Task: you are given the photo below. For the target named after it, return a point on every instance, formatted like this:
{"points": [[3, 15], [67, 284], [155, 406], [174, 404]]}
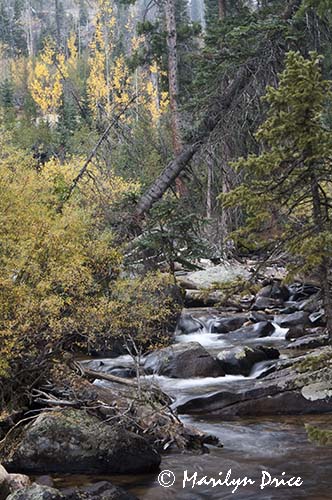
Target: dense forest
{"points": [[143, 142]]}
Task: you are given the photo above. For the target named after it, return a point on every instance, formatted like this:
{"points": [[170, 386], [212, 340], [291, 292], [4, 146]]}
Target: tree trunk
{"points": [[173, 84], [324, 268], [58, 23], [176, 166], [222, 105], [222, 9]]}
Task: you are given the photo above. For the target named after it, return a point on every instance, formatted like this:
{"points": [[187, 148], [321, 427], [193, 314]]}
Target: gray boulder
{"points": [[294, 319], [262, 303], [37, 492], [240, 360], [72, 441], [184, 360], [257, 330], [226, 325]]}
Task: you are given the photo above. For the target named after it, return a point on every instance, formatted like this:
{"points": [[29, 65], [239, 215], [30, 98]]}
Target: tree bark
{"points": [[173, 84], [222, 9], [176, 166]]}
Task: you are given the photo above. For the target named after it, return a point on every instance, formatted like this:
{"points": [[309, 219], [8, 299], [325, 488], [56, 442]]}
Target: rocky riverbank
{"points": [[273, 345]]}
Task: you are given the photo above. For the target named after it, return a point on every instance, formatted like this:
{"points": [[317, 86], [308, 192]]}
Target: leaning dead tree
{"points": [[180, 162], [223, 103]]}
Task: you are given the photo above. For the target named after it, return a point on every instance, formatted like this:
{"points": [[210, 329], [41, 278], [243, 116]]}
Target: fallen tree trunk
{"points": [[220, 107], [180, 162]]}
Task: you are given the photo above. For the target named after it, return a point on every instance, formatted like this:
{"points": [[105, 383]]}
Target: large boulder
{"points": [[183, 360], [256, 330], [294, 319], [226, 325], [299, 387], [262, 303], [72, 441], [240, 360], [37, 492], [187, 324], [103, 490], [221, 273]]}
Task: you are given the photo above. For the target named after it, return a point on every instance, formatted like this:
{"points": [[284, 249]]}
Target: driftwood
{"points": [[92, 374]]}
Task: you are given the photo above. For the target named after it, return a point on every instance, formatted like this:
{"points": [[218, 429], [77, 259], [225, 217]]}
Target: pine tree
{"points": [[286, 194]]}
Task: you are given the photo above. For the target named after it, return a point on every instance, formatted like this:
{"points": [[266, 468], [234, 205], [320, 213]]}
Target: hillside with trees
{"points": [[165, 177]]}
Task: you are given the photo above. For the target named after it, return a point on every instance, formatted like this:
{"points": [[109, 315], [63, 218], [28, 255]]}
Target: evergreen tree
{"points": [[286, 193]]}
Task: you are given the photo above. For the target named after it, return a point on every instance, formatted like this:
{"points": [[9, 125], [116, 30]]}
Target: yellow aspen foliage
{"points": [[60, 271], [72, 49], [46, 81], [121, 81]]}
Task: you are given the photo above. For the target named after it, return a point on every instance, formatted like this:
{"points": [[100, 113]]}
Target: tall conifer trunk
{"points": [[173, 84]]}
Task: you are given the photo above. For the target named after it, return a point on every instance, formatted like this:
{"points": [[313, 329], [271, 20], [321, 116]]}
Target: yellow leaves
{"points": [[46, 80], [73, 53]]}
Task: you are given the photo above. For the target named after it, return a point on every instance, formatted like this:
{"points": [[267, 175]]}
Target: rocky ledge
{"points": [[299, 385]]}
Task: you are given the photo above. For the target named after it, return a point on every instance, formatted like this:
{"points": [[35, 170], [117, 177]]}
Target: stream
{"points": [[250, 445]]}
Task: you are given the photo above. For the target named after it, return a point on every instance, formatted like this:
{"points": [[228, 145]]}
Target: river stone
{"points": [[226, 325], [72, 441], [183, 360], [37, 492], [4, 486], [310, 341], [295, 332], [187, 324], [240, 360], [262, 303], [297, 318], [257, 330], [274, 291], [103, 490]]}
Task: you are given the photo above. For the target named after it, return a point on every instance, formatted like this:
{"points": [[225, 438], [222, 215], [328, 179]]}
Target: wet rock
{"points": [[262, 303], [295, 319], [295, 332], [184, 360], [103, 490], [37, 492], [71, 441], [4, 486], [187, 324], [226, 325], [310, 341], [257, 330], [274, 290], [289, 390], [240, 360], [300, 291], [312, 304], [257, 316]]}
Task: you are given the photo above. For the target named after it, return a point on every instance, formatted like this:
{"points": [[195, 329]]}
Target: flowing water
{"points": [[277, 445]]}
